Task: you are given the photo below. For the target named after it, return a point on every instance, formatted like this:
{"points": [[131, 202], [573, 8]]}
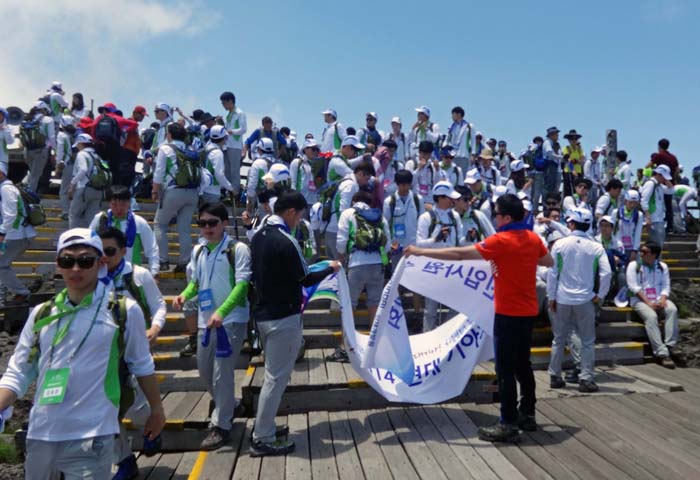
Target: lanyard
{"points": [[216, 253], [117, 271], [653, 275]]}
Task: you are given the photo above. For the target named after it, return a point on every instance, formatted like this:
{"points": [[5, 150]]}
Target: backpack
{"points": [[319, 169], [434, 222], [188, 163], [392, 207], [535, 158], [117, 307], [327, 198], [107, 130], [34, 212], [147, 137], [303, 237], [31, 135], [369, 235], [102, 178], [139, 296]]}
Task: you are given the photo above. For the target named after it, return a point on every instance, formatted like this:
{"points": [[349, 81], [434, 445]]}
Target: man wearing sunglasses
{"points": [[221, 270], [579, 199], [141, 246], [72, 352], [516, 310]]}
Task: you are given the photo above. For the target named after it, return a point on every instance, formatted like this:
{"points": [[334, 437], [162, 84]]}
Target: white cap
{"points": [[579, 215], [42, 106], [606, 218], [265, 144], [293, 135], [353, 141], [664, 171], [309, 143], [82, 138], [632, 196], [423, 109], [330, 111], [473, 176], [517, 165], [79, 236], [164, 106], [218, 132], [396, 120], [278, 173], [598, 149], [67, 120], [445, 188], [554, 236], [57, 86], [498, 192], [372, 114]]}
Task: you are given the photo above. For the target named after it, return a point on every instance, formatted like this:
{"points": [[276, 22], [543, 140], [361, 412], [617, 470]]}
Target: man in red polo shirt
{"points": [[515, 251]]}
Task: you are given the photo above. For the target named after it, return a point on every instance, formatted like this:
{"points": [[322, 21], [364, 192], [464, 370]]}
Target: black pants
{"points": [[668, 203], [512, 338]]}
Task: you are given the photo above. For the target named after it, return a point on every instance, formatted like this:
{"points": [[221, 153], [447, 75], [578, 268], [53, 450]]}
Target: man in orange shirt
{"points": [[515, 252]]}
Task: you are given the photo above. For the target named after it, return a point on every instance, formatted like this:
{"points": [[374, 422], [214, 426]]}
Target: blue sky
{"points": [[516, 67]]}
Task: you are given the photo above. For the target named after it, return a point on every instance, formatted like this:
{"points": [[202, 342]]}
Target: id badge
{"points": [[312, 186], [627, 242], [387, 182], [399, 231], [206, 300], [422, 189], [650, 294], [53, 390]]}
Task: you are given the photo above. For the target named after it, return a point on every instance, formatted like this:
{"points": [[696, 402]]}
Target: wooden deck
{"points": [[640, 426]]}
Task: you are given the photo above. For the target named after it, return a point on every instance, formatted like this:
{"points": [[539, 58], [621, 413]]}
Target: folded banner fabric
{"points": [[430, 367]]}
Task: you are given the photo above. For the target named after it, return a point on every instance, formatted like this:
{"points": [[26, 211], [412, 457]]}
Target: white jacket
{"points": [[12, 216], [452, 174], [624, 174], [461, 137], [257, 170], [328, 136], [303, 178], [64, 148], [166, 165], [652, 201], [147, 288], [406, 213], [6, 138], [627, 230], [84, 167], [235, 138], [342, 200], [348, 223], [403, 147], [214, 165], [577, 260], [477, 221], [651, 281], [445, 218]]}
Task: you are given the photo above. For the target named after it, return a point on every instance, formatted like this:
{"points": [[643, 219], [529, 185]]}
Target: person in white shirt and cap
{"points": [[347, 158], [487, 207], [425, 172], [517, 181], [611, 200], [439, 227], [623, 171], [449, 170], [402, 209], [649, 283], [302, 171], [593, 171], [481, 192], [403, 145], [90, 177], [333, 133], [578, 261], [616, 254], [579, 199], [652, 203], [461, 137], [69, 346], [260, 166], [369, 135], [214, 177], [39, 153], [236, 125], [65, 160], [475, 225], [163, 113], [423, 129], [489, 172], [56, 101]]}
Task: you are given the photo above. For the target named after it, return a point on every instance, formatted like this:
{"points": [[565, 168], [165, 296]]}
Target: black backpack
{"points": [[31, 135], [107, 130]]}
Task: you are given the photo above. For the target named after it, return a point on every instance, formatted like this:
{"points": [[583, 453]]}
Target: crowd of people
{"points": [[562, 230]]}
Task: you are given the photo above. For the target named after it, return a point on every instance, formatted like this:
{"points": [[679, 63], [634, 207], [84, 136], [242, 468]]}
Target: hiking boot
{"points": [[587, 386], [278, 447], [500, 432], [180, 268], [666, 362], [280, 431], [216, 439], [556, 381], [678, 358], [164, 266], [127, 469], [190, 349], [527, 422], [571, 376], [339, 355]]}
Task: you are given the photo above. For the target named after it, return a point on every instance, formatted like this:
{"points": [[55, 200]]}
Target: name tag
{"points": [[650, 293], [399, 231], [422, 189], [206, 300], [53, 390], [627, 241], [312, 186]]}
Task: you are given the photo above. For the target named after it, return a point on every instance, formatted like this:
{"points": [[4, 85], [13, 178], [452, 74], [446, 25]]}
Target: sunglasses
{"points": [[211, 223], [83, 262], [110, 251]]}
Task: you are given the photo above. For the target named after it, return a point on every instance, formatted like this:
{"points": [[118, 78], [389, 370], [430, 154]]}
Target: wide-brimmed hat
{"points": [[552, 130], [573, 134], [486, 154]]}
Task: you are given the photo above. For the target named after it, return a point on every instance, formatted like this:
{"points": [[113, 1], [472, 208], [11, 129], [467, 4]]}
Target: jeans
{"points": [[512, 338]]}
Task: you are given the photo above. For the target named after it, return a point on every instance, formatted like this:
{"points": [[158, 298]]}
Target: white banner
{"points": [[434, 366]]}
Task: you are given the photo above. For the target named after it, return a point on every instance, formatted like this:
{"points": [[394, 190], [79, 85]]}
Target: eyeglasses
{"points": [[110, 251], [211, 223], [83, 262]]}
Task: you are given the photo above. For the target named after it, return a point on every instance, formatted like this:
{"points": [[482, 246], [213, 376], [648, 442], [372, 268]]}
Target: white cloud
{"points": [[91, 46]]}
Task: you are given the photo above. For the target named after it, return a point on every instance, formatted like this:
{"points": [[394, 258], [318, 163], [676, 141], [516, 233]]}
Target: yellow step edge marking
{"points": [[198, 466], [160, 378], [166, 340], [634, 345], [250, 371], [159, 357], [483, 376], [357, 383]]}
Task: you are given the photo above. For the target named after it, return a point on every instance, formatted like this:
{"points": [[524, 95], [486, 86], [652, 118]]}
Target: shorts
{"points": [[369, 277]]}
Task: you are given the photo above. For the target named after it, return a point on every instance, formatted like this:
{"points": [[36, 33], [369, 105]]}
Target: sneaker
{"points": [[587, 386], [64, 216], [339, 355], [556, 381], [666, 362], [571, 376], [278, 447], [527, 422], [500, 432], [216, 439], [127, 469], [164, 266], [190, 349], [180, 268], [280, 431]]}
